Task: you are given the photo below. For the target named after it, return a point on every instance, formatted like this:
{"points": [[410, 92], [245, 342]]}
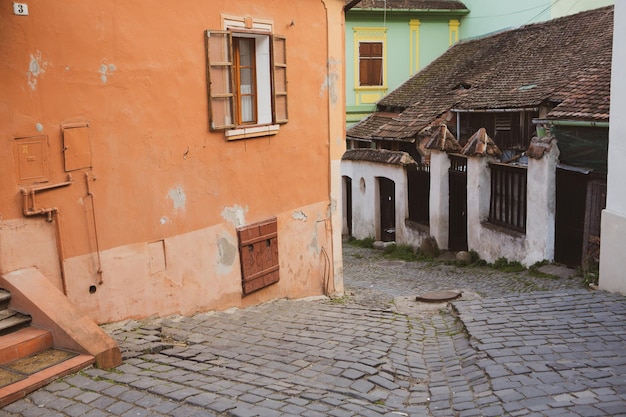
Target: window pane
{"points": [[245, 52], [247, 109], [245, 80], [245, 64]]}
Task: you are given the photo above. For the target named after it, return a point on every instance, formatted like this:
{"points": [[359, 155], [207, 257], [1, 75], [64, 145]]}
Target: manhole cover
{"points": [[439, 296]]}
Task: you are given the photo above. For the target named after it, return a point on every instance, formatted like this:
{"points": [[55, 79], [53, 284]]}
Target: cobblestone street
{"points": [[512, 345]]}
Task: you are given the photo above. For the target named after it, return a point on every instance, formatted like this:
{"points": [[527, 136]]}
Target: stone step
{"points": [[31, 382], [11, 321], [28, 359], [22, 343], [5, 297]]}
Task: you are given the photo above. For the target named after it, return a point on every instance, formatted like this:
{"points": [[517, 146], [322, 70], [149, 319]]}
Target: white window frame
{"points": [[271, 85]]}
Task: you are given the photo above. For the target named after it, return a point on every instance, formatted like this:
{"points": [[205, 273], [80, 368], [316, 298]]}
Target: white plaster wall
{"points": [[496, 242], [478, 194], [541, 208], [613, 232], [334, 221], [439, 197], [365, 197], [414, 234], [492, 242]]}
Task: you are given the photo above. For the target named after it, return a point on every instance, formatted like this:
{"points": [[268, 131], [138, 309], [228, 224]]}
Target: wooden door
{"points": [[596, 202], [348, 199], [457, 231], [571, 198], [387, 200]]}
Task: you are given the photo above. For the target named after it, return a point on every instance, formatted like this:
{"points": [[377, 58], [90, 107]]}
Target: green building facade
{"points": [[385, 46]]}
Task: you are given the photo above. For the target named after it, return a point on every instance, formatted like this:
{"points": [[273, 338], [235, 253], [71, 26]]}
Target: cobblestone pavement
{"points": [[512, 345]]}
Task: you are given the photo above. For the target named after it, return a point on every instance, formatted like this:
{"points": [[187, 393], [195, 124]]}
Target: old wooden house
{"points": [[508, 135]]}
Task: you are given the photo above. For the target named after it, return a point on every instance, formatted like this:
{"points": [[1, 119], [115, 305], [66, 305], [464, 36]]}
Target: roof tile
{"points": [[566, 61]]}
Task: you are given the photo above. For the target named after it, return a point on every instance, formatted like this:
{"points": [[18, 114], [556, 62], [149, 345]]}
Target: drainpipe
{"points": [[574, 123], [95, 228]]}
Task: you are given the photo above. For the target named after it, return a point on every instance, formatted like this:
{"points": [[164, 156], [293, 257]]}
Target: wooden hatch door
{"points": [[258, 251]]}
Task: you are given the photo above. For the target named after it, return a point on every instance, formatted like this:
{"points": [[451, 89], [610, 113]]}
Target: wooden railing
{"points": [[507, 207]]}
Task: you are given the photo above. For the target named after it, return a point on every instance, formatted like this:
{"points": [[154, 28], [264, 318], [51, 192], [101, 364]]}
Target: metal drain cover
{"points": [[438, 296]]}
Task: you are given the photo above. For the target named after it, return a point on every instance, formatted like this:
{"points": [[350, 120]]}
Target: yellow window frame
{"points": [[369, 34]]}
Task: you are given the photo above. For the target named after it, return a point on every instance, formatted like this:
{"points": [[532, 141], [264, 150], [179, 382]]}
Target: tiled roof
{"points": [[587, 97], [481, 144], [382, 156], [565, 60], [411, 4], [443, 140], [364, 129]]}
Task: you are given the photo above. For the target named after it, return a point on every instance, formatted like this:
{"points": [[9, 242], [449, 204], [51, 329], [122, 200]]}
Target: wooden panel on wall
{"points": [[258, 250]]}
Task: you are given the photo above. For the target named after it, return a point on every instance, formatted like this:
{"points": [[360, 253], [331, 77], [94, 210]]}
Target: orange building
{"points": [[172, 157]]}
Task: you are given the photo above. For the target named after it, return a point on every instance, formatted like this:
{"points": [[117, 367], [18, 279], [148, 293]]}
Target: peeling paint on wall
{"points": [[36, 67], [332, 208], [299, 215], [235, 215], [164, 220], [314, 246], [177, 194], [330, 81], [105, 71], [227, 253]]}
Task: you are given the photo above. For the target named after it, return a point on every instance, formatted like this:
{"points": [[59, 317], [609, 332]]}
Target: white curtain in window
{"points": [[247, 109]]}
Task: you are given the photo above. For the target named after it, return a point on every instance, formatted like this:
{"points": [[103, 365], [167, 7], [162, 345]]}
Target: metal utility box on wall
{"points": [[76, 147], [258, 251], [31, 159]]}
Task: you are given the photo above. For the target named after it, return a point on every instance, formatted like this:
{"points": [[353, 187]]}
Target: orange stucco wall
{"points": [[158, 209]]}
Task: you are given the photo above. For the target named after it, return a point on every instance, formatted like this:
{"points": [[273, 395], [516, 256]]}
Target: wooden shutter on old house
{"points": [[258, 251], [370, 63], [220, 79], [279, 47]]}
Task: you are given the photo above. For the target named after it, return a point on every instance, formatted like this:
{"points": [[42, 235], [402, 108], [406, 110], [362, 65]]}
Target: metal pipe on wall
{"points": [[30, 209], [95, 228]]}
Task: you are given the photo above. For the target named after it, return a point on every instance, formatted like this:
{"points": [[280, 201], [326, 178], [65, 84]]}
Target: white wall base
{"points": [[612, 260]]}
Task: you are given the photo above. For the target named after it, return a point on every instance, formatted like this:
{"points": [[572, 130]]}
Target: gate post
{"points": [[543, 156], [439, 197], [478, 197]]}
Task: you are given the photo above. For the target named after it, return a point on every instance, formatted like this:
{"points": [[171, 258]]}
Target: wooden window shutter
{"points": [[279, 47], [370, 63], [258, 251], [220, 79]]}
